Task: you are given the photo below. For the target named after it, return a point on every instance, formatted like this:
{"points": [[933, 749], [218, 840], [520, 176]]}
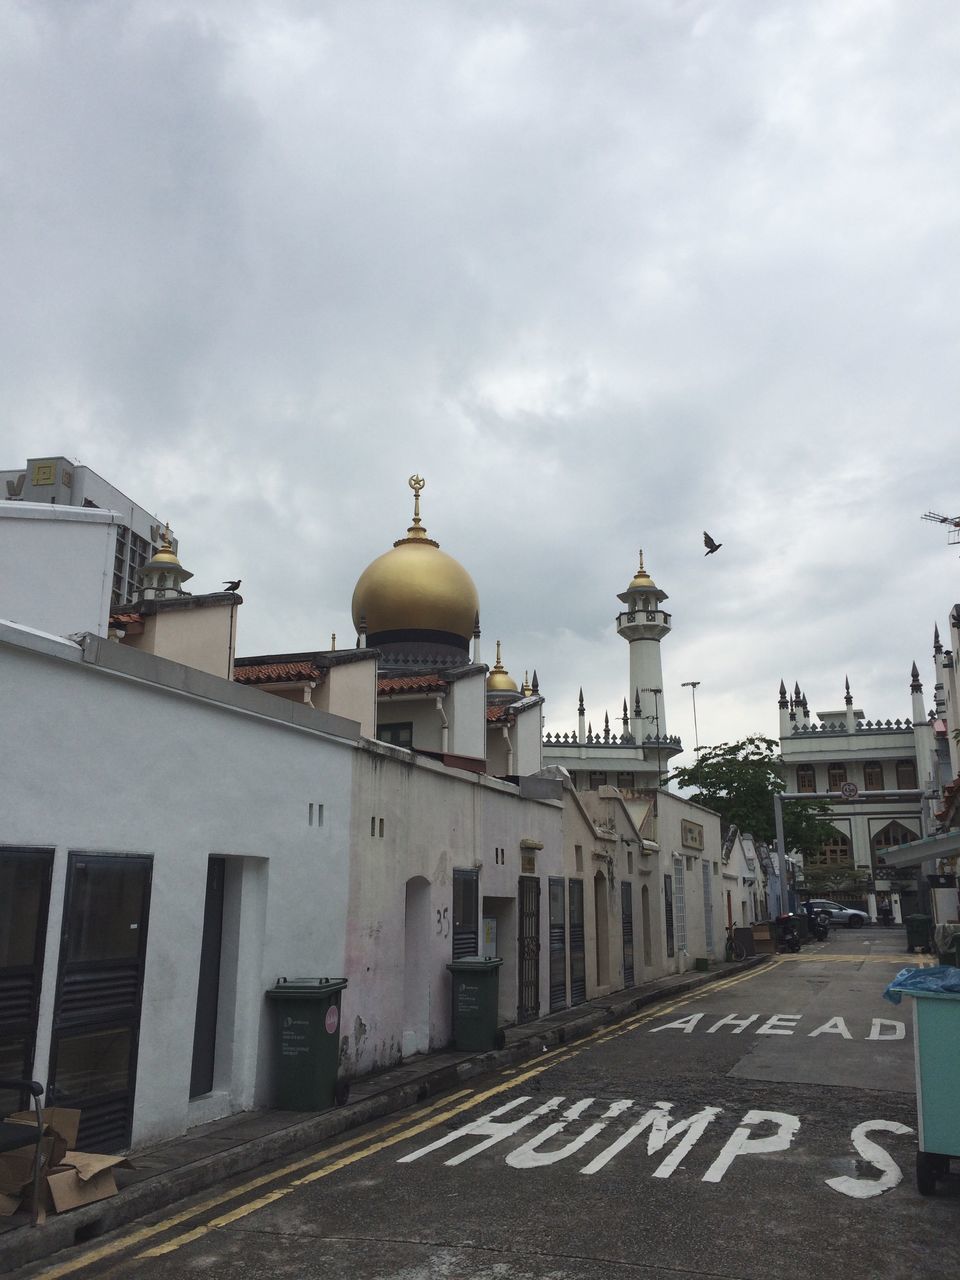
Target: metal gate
{"points": [[558, 945], [578, 955], [24, 902], [626, 914], [708, 907], [96, 1018], [528, 948]]}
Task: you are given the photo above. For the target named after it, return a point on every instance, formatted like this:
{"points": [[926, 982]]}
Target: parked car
{"points": [[849, 916]]}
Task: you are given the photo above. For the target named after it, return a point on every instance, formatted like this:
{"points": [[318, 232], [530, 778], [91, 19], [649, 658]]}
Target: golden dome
{"points": [[499, 680], [641, 578], [416, 587], [166, 557]]}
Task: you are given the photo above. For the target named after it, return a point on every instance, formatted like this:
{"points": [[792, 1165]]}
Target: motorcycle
{"points": [[789, 933], [820, 924]]}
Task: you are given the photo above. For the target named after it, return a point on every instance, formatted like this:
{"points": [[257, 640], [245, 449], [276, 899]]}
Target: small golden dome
{"points": [[415, 587], [166, 557], [499, 680], [641, 578]]}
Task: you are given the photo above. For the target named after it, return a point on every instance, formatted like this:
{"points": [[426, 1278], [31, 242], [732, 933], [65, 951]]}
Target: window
{"points": [[873, 776], [892, 836], [597, 780], [679, 905], [835, 853], [906, 775], [624, 781], [836, 776], [806, 777], [396, 735], [668, 912], [466, 904]]}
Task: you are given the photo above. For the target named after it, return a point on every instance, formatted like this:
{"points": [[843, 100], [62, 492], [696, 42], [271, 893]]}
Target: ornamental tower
{"points": [[643, 624]]}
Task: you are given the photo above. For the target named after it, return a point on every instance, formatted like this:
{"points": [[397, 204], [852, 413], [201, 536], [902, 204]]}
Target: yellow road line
{"points": [[516, 1076], [100, 1252]]}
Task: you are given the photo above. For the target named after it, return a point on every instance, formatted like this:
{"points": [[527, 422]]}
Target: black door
{"points": [[558, 945], [626, 913], [24, 902], [96, 1020], [208, 985], [528, 948], [578, 955]]}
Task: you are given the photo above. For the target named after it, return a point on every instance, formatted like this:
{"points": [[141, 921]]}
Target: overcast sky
{"points": [[607, 273]]}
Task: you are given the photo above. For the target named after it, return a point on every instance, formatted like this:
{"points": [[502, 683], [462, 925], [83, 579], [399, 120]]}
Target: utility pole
{"points": [[693, 686], [656, 709]]}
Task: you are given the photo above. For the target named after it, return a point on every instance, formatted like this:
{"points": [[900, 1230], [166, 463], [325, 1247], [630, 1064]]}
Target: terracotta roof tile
{"points": [[277, 672], [431, 683], [124, 619], [499, 713]]}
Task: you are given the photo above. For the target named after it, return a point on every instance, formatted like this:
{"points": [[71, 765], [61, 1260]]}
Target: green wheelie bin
{"points": [[476, 996], [936, 1043], [918, 932], [307, 1043]]}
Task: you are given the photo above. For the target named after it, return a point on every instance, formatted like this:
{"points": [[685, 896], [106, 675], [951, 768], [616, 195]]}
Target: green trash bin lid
{"points": [[475, 964], [300, 987]]}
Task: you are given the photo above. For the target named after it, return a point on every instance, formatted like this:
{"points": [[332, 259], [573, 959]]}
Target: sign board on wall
{"points": [[691, 834]]}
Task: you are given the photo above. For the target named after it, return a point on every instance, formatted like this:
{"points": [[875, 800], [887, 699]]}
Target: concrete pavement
{"points": [[172, 1170]]}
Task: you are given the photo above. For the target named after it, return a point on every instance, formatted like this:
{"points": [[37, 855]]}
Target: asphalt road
{"points": [[757, 1128]]}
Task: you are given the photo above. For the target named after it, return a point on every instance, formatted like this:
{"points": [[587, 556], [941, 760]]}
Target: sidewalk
{"points": [[206, 1155]]}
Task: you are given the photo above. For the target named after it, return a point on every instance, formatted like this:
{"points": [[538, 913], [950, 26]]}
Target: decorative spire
{"points": [[847, 696], [416, 532], [535, 682], [915, 685], [333, 641], [636, 704], [606, 726], [581, 709], [796, 691], [937, 646], [625, 717], [783, 695], [527, 687]]}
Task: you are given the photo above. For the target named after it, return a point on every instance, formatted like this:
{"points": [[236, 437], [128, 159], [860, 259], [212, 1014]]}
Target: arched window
{"points": [[873, 776], [835, 853], [906, 775], [892, 836], [836, 776], [806, 777]]}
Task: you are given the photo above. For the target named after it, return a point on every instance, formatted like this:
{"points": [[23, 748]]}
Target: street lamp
{"points": [[693, 686]]}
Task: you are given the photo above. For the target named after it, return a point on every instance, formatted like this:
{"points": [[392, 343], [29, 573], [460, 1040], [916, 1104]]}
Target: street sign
{"points": [[849, 790]]}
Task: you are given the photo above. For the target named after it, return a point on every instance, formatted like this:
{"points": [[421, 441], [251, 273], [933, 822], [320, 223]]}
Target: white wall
{"points": [[57, 566], [434, 820], [101, 763]]}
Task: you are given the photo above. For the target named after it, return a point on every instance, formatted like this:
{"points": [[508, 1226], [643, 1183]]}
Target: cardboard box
{"points": [[68, 1178], [83, 1178], [64, 1121]]}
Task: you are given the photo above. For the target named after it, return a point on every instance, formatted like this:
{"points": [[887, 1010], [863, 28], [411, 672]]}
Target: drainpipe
{"points": [[506, 737], [444, 726]]}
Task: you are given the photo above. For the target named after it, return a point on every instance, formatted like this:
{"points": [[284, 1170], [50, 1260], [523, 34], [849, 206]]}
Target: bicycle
{"points": [[734, 950]]}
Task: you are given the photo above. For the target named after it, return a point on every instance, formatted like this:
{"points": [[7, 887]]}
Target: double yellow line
{"points": [[360, 1148]]}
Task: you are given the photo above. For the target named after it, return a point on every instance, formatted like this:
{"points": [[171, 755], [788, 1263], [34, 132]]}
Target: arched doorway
{"points": [[602, 929], [416, 975]]}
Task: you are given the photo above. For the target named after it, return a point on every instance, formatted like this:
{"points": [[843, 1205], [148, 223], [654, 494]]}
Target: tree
{"points": [[738, 780]]}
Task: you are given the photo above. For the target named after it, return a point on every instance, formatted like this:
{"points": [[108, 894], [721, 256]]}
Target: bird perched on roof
{"points": [[233, 586], [709, 543]]}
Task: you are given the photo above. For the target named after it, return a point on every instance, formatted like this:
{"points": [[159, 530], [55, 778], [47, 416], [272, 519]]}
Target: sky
{"points": [[606, 273]]}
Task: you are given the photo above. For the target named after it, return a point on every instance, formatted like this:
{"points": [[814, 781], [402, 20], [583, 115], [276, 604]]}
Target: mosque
{"points": [[375, 811]]}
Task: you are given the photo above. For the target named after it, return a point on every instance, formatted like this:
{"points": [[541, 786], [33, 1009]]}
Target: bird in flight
{"points": [[233, 586], [709, 543]]}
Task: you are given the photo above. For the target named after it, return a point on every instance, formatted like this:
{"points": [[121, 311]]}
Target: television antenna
{"points": [[953, 537]]}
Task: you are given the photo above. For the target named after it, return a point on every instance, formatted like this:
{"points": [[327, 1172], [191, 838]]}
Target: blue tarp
{"points": [[941, 979]]}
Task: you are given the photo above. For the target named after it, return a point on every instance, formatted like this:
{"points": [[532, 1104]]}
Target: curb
{"points": [[25, 1245]]}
